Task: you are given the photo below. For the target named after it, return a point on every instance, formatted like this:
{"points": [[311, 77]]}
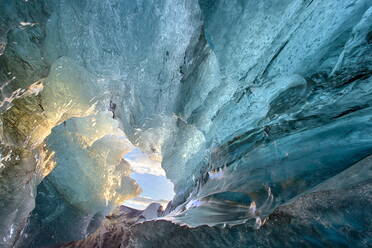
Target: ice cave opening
{"points": [[173, 123], [151, 177], [96, 170]]}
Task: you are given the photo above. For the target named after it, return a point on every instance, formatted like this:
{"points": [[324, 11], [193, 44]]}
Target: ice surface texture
{"points": [[256, 109]]}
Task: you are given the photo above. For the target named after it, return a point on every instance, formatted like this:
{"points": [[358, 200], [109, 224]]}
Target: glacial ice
{"points": [[258, 111]]}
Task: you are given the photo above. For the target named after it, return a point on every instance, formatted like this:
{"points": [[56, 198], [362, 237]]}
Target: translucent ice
{"points": [[256, 111]]}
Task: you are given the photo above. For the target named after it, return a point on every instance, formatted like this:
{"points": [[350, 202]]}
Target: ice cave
{"points": [[185, 123]]}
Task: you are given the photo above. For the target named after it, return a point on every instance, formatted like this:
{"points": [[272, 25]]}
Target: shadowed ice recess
{"points": [[173, 123]]}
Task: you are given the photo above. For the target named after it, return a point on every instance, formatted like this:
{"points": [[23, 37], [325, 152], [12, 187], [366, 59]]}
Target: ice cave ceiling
{"points": [[258, 111]]}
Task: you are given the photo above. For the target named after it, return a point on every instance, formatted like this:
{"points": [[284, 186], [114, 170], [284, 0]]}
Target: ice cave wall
{"points": [[254, 102], [58, 45]]}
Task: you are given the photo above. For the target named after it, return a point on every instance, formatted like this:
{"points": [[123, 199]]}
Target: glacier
{"points": [[259, 112]]}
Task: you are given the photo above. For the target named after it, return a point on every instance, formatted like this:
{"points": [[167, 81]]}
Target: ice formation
{"points": [[259, 112]]}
